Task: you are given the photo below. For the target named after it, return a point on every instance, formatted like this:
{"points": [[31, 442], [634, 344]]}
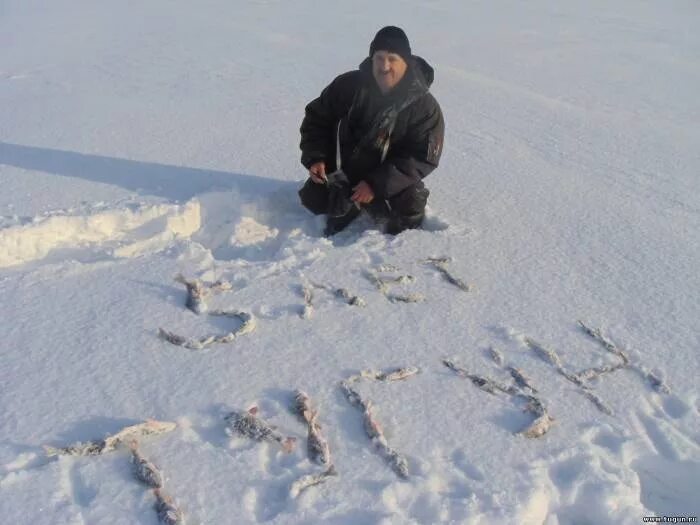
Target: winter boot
{"points": [[397, 224], [407, 209]]}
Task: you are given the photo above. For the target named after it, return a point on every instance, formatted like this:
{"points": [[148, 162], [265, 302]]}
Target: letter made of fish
{"points": [[249, 425], [440, 264], [399, 374], [311, 480], [167, 511], [197, 292], [247, 327], [317, 446], [538, 428], [542, 422], [374, 430], [144, 470], [94, 448], [521, 379]]}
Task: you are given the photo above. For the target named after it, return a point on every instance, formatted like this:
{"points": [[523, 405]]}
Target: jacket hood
{"points": [[418, 68]]}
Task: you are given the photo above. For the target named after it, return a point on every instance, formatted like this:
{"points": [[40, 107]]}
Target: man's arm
{"points": [[415, 156], [321, 118]]}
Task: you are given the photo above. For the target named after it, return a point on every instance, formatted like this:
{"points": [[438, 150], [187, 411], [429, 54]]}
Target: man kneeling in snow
{"points": [[371, 137]]}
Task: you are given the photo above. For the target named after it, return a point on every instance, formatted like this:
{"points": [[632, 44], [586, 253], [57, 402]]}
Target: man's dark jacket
{"points": [[367, 117]]}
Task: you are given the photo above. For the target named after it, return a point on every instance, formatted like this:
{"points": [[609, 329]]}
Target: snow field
{"points": [[139, 142]]}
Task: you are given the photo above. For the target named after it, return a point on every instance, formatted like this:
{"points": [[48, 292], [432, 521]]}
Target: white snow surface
{"points": [[140, 140]]}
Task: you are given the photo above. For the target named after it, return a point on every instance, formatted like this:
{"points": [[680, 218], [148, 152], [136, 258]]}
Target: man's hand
{"points": [[363, 193], [317, 172]]}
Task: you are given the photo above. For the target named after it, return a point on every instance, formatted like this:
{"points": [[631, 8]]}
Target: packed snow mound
{"points": [[249, 231], [129, 231]]}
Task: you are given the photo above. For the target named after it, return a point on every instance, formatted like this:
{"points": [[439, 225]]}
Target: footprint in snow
{"points": [[466, 467]]}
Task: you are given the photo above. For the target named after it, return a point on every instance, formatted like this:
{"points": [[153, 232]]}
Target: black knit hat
{"points": [[392, 39]]}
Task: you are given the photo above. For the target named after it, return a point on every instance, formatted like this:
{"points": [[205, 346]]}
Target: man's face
{"points": [[388, 69]]}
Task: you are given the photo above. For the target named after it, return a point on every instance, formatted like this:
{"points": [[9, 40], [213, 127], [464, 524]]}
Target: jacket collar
{"points": [[417, 80]]}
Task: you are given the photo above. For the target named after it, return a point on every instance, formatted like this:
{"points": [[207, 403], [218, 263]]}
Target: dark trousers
{"points": [[404, 210]]}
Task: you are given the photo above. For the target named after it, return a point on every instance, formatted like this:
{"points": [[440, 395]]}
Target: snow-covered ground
{"points": [[141, 140]]}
